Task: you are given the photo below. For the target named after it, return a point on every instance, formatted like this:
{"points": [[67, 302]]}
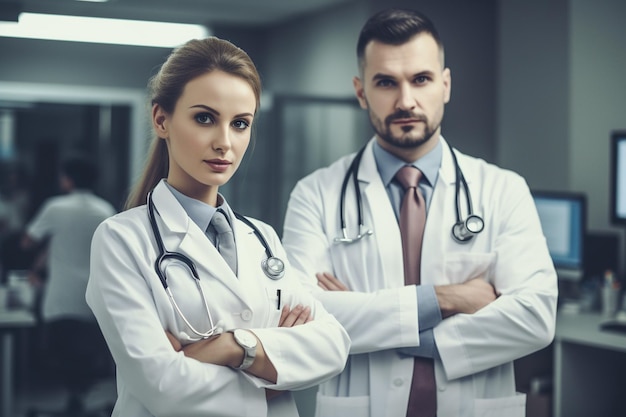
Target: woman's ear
{"points": [[159, 121]]}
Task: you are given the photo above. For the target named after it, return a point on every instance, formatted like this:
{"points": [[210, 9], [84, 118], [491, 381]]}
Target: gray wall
{"points": [[561, 91], [533, 91], [597, 97]]}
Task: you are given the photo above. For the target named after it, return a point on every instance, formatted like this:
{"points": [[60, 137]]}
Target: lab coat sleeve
{"points": [[522, 319], [308, 354], [165, 381], [376, 319]]}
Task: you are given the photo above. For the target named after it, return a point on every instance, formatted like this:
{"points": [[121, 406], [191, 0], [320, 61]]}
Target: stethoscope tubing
{"points": [[462, 230], [273, 267]]}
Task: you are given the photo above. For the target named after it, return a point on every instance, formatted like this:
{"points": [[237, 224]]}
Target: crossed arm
{"points": [[223, 350], [468, 297]]}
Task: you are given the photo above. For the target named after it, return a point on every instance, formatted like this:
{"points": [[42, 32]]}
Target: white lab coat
{"points": [[475, 371], [134, 311]]}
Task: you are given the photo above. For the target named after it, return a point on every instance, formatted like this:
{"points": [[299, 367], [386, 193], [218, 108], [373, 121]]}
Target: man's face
{"points": [[404, 88]]}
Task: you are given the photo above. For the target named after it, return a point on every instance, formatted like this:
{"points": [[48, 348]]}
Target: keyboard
{"points": [[615, 324]]}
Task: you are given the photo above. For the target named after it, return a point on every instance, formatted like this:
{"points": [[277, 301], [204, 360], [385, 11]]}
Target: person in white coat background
{"points": [[481, 303], [233, 341]]}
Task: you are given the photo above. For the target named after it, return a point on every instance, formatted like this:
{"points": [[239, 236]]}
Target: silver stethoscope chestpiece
{"points": [[273, 267], [474, 224]]}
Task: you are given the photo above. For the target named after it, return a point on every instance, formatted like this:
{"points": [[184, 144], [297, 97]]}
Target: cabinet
{"points": [[589, 368]]}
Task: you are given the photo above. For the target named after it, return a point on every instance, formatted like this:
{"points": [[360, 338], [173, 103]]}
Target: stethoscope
{"points": [[273, 267], [462, 230]]}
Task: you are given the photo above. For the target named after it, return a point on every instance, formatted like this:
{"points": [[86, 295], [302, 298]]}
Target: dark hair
{"points": [[394, 27], [81, 170], [185, 63]]}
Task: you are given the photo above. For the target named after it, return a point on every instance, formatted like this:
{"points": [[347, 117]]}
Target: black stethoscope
{"points": [[462, 230], [273, 267]]}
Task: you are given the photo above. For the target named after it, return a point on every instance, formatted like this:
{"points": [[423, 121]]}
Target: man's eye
{"points": [[204, 118], [385, 83]]}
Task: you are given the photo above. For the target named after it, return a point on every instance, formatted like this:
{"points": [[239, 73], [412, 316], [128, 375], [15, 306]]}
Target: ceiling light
{"points": [[100, 30]]}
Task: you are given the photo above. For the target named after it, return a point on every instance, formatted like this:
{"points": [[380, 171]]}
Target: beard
{"points": [[410, 138]]}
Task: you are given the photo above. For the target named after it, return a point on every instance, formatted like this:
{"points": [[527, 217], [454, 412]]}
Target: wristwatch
{"points": [[248, 342]]}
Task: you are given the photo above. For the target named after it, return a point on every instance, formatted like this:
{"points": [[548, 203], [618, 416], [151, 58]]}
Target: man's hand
{"points": [[468, 297], [329, 282]]}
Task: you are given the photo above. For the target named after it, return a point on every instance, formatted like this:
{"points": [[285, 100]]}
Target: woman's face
{"points": [[207, 134]]}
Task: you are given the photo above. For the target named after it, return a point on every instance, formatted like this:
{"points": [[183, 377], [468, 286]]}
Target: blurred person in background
{"points": [[64, 227]]}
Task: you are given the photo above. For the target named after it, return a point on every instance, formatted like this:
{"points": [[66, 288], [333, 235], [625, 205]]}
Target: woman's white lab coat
{"points": [[475, 370], [134, 311]]}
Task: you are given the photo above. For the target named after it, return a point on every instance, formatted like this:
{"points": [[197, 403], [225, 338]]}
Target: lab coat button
{"points": [[398, 382], [246, 315]]}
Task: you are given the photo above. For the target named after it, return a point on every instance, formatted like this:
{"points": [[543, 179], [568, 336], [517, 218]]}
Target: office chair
{"points": [[76, 354]]}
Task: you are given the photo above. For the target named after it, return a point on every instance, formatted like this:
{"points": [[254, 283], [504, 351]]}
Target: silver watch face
{"points": [[245, 338]]}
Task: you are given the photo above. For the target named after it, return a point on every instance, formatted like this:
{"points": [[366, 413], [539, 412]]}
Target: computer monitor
{"points": [[563, 217], [618, 178]]}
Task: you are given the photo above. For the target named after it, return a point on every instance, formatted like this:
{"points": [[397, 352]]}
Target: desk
{"points": [[589, 368], [10, 322]]}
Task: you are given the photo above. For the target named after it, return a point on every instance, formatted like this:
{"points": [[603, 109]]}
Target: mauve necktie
{"points": [[224, 239], [423, 397]]}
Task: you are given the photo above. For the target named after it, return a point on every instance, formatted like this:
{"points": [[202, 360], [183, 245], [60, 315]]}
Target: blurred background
{"points": [[537, 86]]}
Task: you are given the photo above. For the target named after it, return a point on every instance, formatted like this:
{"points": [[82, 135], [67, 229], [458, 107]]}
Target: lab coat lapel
{"points": [[181, 234], [251, 252], [381, 215], [439, 221]]}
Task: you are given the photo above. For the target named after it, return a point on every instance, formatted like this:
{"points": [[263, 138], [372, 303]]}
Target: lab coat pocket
{"points": [[463, 266], [275, 300], [342, 406], [497, 407]]}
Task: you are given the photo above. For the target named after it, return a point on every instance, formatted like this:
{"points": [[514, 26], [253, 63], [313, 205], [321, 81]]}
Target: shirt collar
{"points": [[199, 212], [388, 164]]}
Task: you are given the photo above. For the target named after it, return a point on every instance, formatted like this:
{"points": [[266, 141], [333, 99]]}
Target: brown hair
{"points": [[185, 63]]}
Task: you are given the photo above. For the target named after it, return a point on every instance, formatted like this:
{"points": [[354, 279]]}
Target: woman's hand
{"points": [[290, 318], [299, 315], [223, 350]]}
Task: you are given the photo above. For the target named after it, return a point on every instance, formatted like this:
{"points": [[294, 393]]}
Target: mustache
{"points": [[404, 114]]}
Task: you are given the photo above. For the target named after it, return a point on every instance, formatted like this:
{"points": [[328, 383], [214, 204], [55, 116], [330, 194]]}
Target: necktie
{"points": [[423, 396], [224, 239]]}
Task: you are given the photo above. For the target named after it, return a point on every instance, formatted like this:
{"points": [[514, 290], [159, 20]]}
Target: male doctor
{"points": [[480, 303]]}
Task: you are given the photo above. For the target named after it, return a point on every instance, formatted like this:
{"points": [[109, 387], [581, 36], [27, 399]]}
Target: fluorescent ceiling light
{"points": [[100, 30]]}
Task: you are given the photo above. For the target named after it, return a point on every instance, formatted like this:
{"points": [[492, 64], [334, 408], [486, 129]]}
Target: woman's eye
{"points": [[241, 124], [204, 118]]}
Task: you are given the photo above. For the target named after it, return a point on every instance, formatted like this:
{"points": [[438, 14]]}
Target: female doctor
{"points": [[191, 335]]}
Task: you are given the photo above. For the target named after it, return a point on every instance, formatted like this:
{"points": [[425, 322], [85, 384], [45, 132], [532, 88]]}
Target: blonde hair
{"points": [[185, 63]]}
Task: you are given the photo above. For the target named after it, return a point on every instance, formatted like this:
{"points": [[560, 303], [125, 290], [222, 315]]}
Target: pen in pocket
{"points": [[278, 302]]}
